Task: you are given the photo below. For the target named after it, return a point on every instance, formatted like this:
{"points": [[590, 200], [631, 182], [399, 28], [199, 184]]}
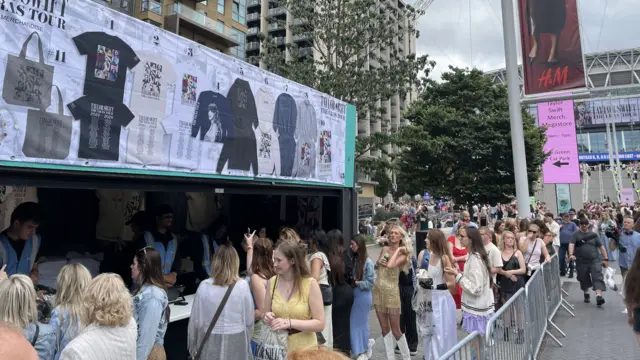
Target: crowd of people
{"points": [[302, 292]]}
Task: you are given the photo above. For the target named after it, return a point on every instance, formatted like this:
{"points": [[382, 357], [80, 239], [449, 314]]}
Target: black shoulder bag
{"points": [[214, 321]]}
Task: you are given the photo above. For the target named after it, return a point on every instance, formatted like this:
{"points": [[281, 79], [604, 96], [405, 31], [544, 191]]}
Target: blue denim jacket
{"points": [[64, 330], [45, 343], [149, 306], [368, 276], [631, 242]]}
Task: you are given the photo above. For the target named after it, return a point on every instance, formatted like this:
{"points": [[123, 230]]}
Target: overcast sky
{"points": [[468, 33]]}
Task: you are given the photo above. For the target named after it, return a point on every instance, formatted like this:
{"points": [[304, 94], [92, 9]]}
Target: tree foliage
{"points": [[345, 34], [458, 143], [384, 183]]}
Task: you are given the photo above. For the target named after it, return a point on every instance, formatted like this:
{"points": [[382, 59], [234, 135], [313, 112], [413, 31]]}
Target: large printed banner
{"points": [[591, 113], [561, 167], [86, 86], [551, 46]]}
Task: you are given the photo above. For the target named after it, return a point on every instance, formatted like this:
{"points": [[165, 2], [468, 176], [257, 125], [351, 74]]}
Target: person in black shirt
{"points": [[585, 249], [160, 237], [19, 243]]}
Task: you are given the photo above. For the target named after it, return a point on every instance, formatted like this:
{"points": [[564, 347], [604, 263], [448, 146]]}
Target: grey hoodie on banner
{"points": [[284, 122], [240, 149], [306, 136], [212, 117]]}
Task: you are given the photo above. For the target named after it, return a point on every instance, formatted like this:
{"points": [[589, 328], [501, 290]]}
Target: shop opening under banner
{"points": [[551, 46], [86, 86]]}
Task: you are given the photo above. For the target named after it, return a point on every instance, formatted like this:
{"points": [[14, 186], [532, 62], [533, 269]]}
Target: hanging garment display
{"points": [[10, 198], [26, 82], [306, 146], [284, 122], [48, 135], [116, 208], [240, 153]]}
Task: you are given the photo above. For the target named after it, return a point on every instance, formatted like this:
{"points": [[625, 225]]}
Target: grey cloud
{"points": [[444, 31]]}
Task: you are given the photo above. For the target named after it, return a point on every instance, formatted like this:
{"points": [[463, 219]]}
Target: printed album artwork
{"points": [[92, 87]]}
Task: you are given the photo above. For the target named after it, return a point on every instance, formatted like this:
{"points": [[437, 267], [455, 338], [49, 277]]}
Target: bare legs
{"points": [[389, 323]]}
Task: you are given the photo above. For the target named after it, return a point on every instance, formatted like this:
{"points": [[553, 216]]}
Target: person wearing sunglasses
{"points": [[585, 249], [533, 249]]}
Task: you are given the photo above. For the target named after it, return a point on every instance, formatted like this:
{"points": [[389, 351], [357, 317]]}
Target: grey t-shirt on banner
{"points": [[587, 246]]}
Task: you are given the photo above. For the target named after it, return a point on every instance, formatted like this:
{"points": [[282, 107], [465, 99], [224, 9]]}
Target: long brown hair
{"points": [[361, 240], [437, 243], [150, 267], [631, 289], [295, 254], [262, 261], [476, 246]]}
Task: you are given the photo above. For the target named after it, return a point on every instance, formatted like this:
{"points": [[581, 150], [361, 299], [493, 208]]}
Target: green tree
{"points": [[384, 183], [345, 35], [458, 143]]}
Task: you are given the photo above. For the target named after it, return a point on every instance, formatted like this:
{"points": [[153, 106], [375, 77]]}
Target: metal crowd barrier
{"points": [[517, 329], [470, 348]]}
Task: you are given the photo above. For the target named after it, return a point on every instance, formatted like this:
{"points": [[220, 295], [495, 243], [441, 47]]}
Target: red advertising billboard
{"points": [[551, 47]]}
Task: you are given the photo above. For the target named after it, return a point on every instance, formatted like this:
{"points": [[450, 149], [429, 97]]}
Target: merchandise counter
{"points": [[175, 339]]}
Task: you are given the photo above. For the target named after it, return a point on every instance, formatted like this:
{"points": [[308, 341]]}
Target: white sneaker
{"points": [[370, 348]]}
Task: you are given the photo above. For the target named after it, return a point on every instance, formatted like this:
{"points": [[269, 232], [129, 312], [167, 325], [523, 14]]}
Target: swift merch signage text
{"points": [[135, 97]]}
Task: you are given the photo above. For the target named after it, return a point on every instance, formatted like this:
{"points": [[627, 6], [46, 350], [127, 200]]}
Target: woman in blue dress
{"points": [[361, 344]]}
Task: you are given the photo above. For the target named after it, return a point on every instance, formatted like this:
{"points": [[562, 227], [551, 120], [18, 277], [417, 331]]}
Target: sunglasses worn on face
{"points": [[532, 231]]}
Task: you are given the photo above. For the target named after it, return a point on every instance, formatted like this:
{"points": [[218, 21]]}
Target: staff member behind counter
{"points": [[160, 237], [19, 244]]}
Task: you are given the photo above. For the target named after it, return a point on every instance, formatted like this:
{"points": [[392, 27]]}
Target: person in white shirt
{"points": [[495, 259], [554, 227]]}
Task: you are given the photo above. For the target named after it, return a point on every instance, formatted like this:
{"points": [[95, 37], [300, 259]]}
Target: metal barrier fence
{"points": [[470, 348], [517, 329]]}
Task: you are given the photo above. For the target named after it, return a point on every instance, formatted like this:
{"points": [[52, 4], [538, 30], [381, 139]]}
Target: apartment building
{"points": [[265, 16], [217, 24]]}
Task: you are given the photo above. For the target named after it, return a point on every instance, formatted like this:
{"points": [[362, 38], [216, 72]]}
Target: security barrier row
{"points": [[516, 331]]}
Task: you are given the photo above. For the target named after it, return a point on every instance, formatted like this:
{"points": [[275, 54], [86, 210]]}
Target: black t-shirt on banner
{"points": [[100, 125], [108, 58]]}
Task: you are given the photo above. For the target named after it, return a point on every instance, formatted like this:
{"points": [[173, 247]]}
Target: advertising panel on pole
{"points": [[596, 113], [601, 157], [627, 196], [563, 198], [561, 167], [93, 89], [551, 46]]}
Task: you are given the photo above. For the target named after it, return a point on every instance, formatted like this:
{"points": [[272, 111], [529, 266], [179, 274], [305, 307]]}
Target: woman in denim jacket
{"points": [[18, 308], [71, 284], [150, 304]]}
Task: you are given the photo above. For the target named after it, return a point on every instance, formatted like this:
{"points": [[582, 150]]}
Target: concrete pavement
{"points": [[594, 333]]}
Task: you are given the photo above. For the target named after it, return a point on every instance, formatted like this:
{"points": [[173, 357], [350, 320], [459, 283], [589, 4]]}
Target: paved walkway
{"points": [[593, 334]]}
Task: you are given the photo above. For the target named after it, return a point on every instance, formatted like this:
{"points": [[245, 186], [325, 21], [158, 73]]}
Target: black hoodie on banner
{"points": [[240, 150], [284, 122]]}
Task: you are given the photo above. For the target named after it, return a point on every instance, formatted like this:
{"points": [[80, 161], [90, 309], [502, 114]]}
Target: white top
{"points": [[232, 332], [435, 272], [324, 278], [103, 343], [555, 228], [477, 296], [495, 257]]}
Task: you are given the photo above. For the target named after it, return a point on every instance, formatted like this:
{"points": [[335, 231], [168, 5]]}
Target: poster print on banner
{"points": [[547, 68], [333, 111], [627, 196], [563, 198], [561, 167]]}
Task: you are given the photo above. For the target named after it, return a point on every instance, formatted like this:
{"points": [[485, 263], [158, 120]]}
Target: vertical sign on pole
{"points": [[551, 46], [563, 198], [561, 167], [627, 196]]}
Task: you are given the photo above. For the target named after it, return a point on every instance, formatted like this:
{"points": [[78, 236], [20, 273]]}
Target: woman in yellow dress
{"points": [[293, 301], [386, 293]]}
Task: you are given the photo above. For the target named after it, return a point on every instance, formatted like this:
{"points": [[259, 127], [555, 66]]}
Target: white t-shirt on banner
{"points": [[191, 79], [10, 198], [201, 210], [152, 77], [267, 142], [116, 207]]}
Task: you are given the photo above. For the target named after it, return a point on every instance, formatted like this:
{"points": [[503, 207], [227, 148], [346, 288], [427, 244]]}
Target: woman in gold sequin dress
{"points": [[386, 293]]}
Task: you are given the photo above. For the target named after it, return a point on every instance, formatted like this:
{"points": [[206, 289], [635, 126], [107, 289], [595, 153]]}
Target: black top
{"points": [[587, 246], [164, 239], [100, 124], [108, 58]]}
